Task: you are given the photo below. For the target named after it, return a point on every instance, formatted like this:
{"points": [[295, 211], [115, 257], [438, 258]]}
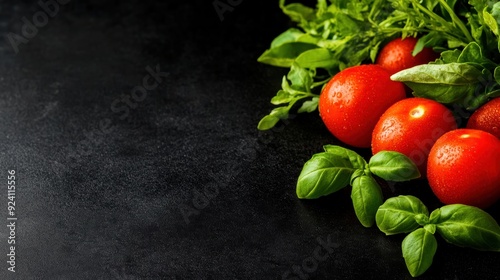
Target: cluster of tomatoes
{"points": [[460, 158]]}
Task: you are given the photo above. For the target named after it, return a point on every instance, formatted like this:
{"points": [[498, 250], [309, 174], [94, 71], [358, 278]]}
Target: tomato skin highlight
{"points": [[397, 55], [411, 126], [487, 118], [352, 101], [464, 167]]}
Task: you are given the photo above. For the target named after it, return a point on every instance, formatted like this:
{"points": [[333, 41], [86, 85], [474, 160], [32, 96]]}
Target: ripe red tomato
{"points": [[411, 126], [397, 55], [464, 167], [351, 103], [487, 118]]}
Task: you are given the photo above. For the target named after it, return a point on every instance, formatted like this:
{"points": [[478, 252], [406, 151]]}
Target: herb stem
{"points": [[457, 21], [432, 15]]}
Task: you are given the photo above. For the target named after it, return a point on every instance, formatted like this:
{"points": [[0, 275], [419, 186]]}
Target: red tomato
{"points": [[464, 167], [411, 126], [397, 55], [487, 118], [351, 103]]}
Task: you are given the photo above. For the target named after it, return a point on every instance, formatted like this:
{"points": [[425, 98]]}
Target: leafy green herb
{"points": [[399, 214], [418, 249], [323, 174], [326, 39], [338, 167], [467, 226], [464, 75], [458, 224], [334, 35], [297, 86], [366, 197], [393, 166]]}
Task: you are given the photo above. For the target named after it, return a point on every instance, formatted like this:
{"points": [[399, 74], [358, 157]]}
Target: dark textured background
{"points": [[110, 207]]}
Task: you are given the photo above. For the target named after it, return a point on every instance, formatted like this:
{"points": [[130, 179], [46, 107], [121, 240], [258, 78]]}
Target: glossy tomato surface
{"points": [[397, 55], [411, 126], [487, 118], [351, 103], [464, 167]]}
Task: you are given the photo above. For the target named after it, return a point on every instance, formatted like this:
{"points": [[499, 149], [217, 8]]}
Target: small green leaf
{"points": [[317, 58], [467, 226], [284, 55], [354, 158], [267, 122], [419, 248], [300, 78], [399, 214], [490, 21], [471, 53], [366, 198], [281, 97], [430, 228], [393, 166], [309, 105], [289, 36], [323, 174], [422, 41], [280, 112]]}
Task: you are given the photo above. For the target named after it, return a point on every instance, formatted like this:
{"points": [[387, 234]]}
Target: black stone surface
{"points": [[177, 183]]}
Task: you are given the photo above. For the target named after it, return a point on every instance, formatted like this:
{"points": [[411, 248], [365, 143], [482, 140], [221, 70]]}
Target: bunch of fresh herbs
{"points": [[332, 36]]}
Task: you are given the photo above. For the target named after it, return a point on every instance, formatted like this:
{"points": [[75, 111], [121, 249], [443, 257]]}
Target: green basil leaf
{"points": [[400, 214], [284, 55], [323, 174], [357, 161], [439, 74], [419, 248], [445, 94], [445, 83], [393, 166], [467, 226], [309, 105], [366, 198], [317, 58]]}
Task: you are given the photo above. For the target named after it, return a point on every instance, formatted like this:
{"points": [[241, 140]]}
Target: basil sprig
{"points": [[458, 224], [338, 167]]}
